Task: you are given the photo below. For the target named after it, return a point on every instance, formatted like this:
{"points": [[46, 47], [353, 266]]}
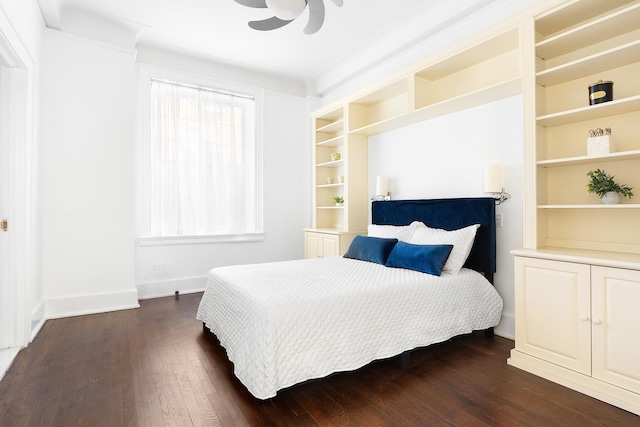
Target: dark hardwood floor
{"points": [[155, 366]]}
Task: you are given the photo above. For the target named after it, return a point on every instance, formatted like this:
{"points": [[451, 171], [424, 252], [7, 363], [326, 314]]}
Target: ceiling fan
{"points": [[286, 11]]}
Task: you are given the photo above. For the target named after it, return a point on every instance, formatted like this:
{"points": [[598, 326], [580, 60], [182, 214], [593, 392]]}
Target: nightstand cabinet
{"points": [[326, 243]]}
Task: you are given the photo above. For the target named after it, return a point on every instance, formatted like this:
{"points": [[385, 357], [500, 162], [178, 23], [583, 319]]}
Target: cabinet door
{"points": [[616, 326], [312, 245], [330, 245], [553, 312]]}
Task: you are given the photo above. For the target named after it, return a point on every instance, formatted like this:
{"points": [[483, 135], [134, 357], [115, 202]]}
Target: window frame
{"points": [[143, 203]]}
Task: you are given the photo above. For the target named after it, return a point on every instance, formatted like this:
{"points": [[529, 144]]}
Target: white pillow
{"points": [[400, 232], [461, 239]]}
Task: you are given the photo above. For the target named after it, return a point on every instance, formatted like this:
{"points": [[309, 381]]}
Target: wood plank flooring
{"points": [[155, 366]]}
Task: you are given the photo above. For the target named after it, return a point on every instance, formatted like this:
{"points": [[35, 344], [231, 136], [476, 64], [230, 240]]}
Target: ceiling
{"points": [[355, 35]]}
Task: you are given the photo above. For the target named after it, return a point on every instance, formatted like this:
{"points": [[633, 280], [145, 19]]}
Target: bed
{"points": [[283, 323]]}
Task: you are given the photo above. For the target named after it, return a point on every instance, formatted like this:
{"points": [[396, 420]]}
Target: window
{"points": [[202, 163]]}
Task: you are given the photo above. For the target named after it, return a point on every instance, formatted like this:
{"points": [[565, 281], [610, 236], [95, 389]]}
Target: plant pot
{"points": [[611, 198], [339, 205]]}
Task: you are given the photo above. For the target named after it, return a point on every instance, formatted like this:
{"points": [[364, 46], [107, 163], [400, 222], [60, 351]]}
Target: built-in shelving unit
{"points": [[582, 255], [478, 75], [466, 77], [575, 47]]}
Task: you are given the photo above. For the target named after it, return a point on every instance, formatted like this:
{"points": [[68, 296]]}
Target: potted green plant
{"points": [[602, 184], [339, 200]]}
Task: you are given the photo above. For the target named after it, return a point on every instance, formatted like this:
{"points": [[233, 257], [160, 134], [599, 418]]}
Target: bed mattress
{"points": [[286, 322]]}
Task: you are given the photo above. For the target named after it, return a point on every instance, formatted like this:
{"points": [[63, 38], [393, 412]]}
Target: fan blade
{"points": [[253, 3], [337, 2], [316, 16], [268, 24]]}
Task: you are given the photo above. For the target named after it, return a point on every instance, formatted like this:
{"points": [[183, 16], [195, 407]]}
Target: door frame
{"points": [[19, 84]]}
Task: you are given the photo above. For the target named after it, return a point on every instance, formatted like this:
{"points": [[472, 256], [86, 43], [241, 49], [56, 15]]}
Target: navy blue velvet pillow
{"points": [[425, 258], [372, 249]]}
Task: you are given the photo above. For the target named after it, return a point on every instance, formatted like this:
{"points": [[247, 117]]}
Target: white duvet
{"points": [[286, 322]]}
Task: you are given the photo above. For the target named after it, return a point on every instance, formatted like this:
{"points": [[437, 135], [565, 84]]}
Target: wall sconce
{"points": [[382, 189], [493, 183]]}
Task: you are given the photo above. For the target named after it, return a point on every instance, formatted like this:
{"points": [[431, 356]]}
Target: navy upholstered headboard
{"points": [[449, 214]]}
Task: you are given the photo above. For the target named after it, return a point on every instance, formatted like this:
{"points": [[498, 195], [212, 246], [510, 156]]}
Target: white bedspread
{"points": [[286, 322]]}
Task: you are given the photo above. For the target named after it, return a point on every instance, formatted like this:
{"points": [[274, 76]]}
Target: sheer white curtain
{"points": [[203, 162]]}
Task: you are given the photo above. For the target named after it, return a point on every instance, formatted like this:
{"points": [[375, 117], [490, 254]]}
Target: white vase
{"points": [[611, 198], [339, 205]]}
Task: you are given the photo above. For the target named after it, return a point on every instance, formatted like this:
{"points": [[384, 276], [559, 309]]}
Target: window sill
{"points": [[194, 240]]}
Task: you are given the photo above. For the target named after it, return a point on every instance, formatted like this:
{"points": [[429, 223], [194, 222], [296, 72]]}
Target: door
{"points": [[311, 245], [5, 307], [553, 311], [616, 326], [330, 246], [16, 114]]}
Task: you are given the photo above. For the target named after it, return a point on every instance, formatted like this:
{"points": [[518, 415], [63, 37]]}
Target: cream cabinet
{"points": [[578, 324], [325, 244], [552, 304], [615, 316]]}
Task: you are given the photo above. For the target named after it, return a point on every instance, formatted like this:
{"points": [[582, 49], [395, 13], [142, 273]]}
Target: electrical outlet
{"points": [[498, 220], [157, 267]]}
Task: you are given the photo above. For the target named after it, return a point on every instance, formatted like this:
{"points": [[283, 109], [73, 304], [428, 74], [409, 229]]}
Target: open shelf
{"points": [[383, 104], [583, 160], [332, 142], [602, 61], [592, 206], [609, 26], [332, 127], [339, 184], [575, 14], [333, 164], [590, 112], [459, 103], [486, 65]]}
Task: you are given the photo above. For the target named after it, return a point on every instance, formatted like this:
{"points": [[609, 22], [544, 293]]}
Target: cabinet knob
{"points": [[584, 317], [596, 321]]}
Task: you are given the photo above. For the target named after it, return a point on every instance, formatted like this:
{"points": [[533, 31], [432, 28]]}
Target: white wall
{"points": [[88, 133], [92, 261], [445, 157]]}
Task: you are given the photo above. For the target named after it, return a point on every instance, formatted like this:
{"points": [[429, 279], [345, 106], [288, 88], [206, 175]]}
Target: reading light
{"points": [[493, 183], [382, 189]]}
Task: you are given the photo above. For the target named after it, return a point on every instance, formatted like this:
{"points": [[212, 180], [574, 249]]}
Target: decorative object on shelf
{"points": [[335, 157], [600, 142], [329, 180], [286, 11], [601, 91], [341, 179], [339, 201], [382, 189], [493, 183], [602, 184]]}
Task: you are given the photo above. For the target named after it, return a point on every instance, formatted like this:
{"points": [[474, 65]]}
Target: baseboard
{"points": [[507, 327], [585, 384], [7, 356], [38, 317], [79, 305], [167, 288]]}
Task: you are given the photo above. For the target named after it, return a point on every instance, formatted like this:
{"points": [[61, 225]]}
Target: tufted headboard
{"points": [[449, 214]]}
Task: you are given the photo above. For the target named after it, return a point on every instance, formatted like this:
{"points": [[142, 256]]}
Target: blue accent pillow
{"points": [[372, 249], [425, 258]]}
